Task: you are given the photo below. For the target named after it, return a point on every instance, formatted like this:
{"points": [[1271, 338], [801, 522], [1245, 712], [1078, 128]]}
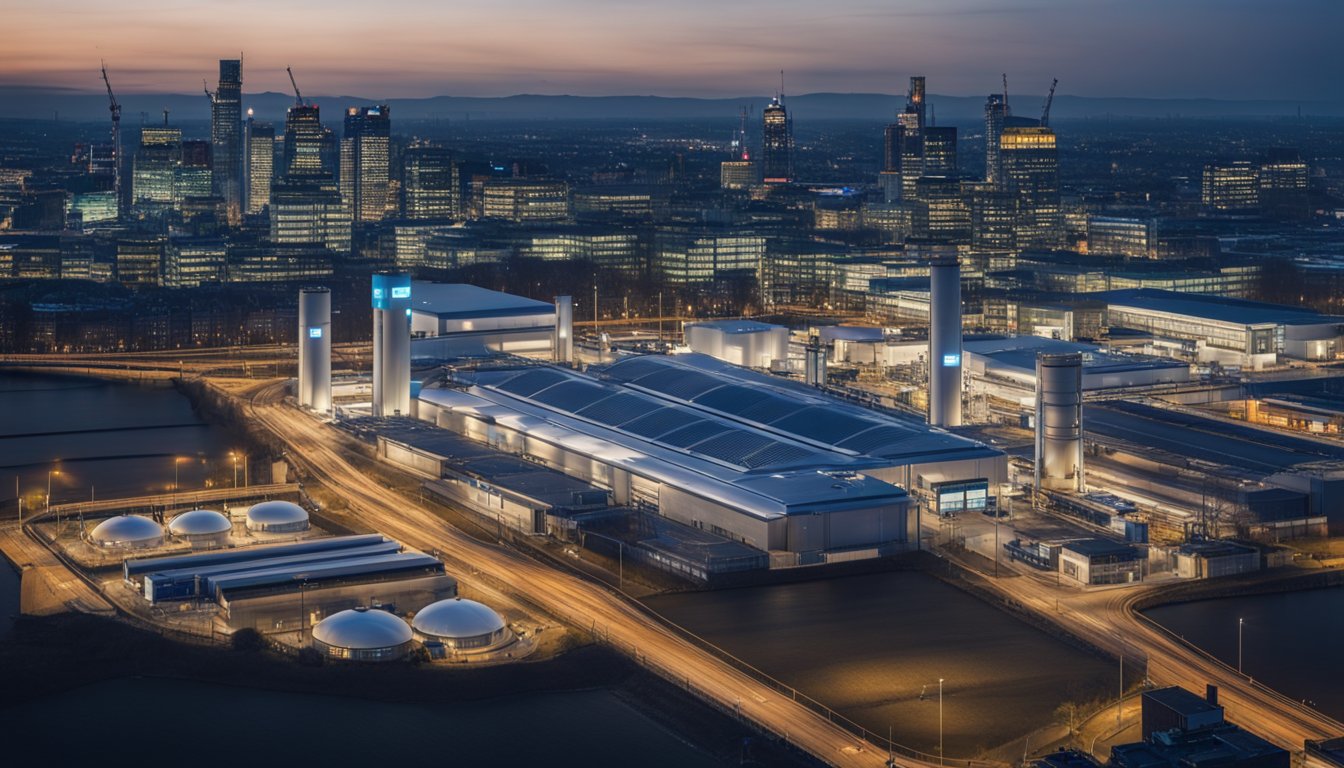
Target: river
{"points": [[1292, 642]]}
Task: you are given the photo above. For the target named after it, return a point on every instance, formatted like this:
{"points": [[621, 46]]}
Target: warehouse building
{"points": [[1098, 561], [750, 457], [741, 342], [450, 320], [1209, 559], [1006, 367], [1227, 331]]}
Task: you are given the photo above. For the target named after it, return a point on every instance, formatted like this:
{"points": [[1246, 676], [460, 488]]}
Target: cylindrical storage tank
{"points": [[127, 532], [315, 349], [362, 634], [277, 517], [944, 340], [201, 528], [461, 625], [564, 329], [1059, 421], [391, 345]]}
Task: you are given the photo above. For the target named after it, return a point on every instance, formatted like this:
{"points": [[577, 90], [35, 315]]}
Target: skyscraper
{"points": [[893, 146], [940, 151], [430, 184], [364, 162], [912, 152], [915, 102], [1031, 176], [996, 109], [195, 175], [154, 171], [260, 165], [777, 143], [226, 126], [310, 148]]}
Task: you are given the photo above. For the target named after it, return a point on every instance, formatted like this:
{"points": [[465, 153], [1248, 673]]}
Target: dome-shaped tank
{"points": [[127, 532], [277, 517], [463, 625], [362, 634], [201, 528]]}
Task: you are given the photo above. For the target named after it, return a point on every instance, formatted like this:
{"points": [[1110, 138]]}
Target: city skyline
{"points": [[1097, 48]]}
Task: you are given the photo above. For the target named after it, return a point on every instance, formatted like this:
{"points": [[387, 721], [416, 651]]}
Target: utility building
{"points": [[391, 345], [315, 349]]}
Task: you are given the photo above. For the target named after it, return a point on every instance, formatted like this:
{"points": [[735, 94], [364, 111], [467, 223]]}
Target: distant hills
{"points": [[34, 103]]}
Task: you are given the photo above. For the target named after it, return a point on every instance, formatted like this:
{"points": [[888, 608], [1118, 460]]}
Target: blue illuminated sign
{"points": [[951, 361], [314, 333], [401, 292], [377, 293]]}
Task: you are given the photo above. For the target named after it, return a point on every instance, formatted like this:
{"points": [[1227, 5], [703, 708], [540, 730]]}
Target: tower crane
{"points": [[206, 86], [1007, 110], [1049, 99], [298, 98], [115, 109]]}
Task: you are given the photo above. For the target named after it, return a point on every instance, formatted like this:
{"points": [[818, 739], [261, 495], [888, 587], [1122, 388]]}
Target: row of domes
{"points": [[363, 634], [200, 527]]}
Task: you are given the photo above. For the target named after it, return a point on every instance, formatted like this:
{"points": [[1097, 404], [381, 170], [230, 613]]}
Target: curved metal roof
{"points": [[199, 522], [276, 513], [126, 529], [362, 629], [457, 618]]}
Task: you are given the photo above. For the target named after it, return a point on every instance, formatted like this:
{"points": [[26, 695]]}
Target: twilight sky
{"points": [[404, 48]]}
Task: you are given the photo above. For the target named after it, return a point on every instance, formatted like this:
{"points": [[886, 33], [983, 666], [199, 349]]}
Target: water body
{"points": [[1293, 641], [873, 647], [108, 439], [225, 726], [9, 597]]}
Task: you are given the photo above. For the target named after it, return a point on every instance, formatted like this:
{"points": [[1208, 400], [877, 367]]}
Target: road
{"points": [[1107, 619], [581, 603]]}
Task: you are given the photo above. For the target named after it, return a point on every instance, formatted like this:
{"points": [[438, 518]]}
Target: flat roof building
{"points": [[458, 320]]}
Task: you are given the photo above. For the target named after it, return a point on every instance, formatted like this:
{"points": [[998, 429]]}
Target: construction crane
{"points": [[298, 98], [205, 84], [165, 117], [1049, 99], [1007, 110], [115, 109]]}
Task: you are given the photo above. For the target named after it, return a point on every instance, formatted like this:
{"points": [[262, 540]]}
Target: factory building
{"points": [[288, 586], [1227, 331], [391, 345], [277, 517], [462, 626], [1098, 561], [1181, 729], [451, 320], [743, 455], [748, 343], [201, 528], [1209, 559], [315, 349], [362, 634], [127, 532], [1006, 367]]}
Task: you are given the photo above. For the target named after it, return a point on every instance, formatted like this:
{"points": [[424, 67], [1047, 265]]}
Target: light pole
{"points": [[234, 456], [940, 721], [1241, 625]]}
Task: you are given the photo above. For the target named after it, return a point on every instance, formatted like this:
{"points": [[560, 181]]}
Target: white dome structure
{"points": [[461, 625], [363, 634], [127, 532], [277, 517], [202, 528]]}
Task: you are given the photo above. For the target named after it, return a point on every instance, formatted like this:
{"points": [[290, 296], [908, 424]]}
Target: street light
{"points": [[940, 721], [234, 456], [1241, 625]]}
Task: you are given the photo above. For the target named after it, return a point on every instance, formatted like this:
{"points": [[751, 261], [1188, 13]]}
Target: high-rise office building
{"points": [[996, 111], [309, 213], [260, 165], [525, 201], [1031, 176], [1115, 235], [364, 162], [893, 145], [310, 147], [940, 212], [226, 126], [776, 143], [940, 151], [430, 184], [915, 102], [912, 151], [154, 170], [1231, 187], [194, 176], [1283, 189]]}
